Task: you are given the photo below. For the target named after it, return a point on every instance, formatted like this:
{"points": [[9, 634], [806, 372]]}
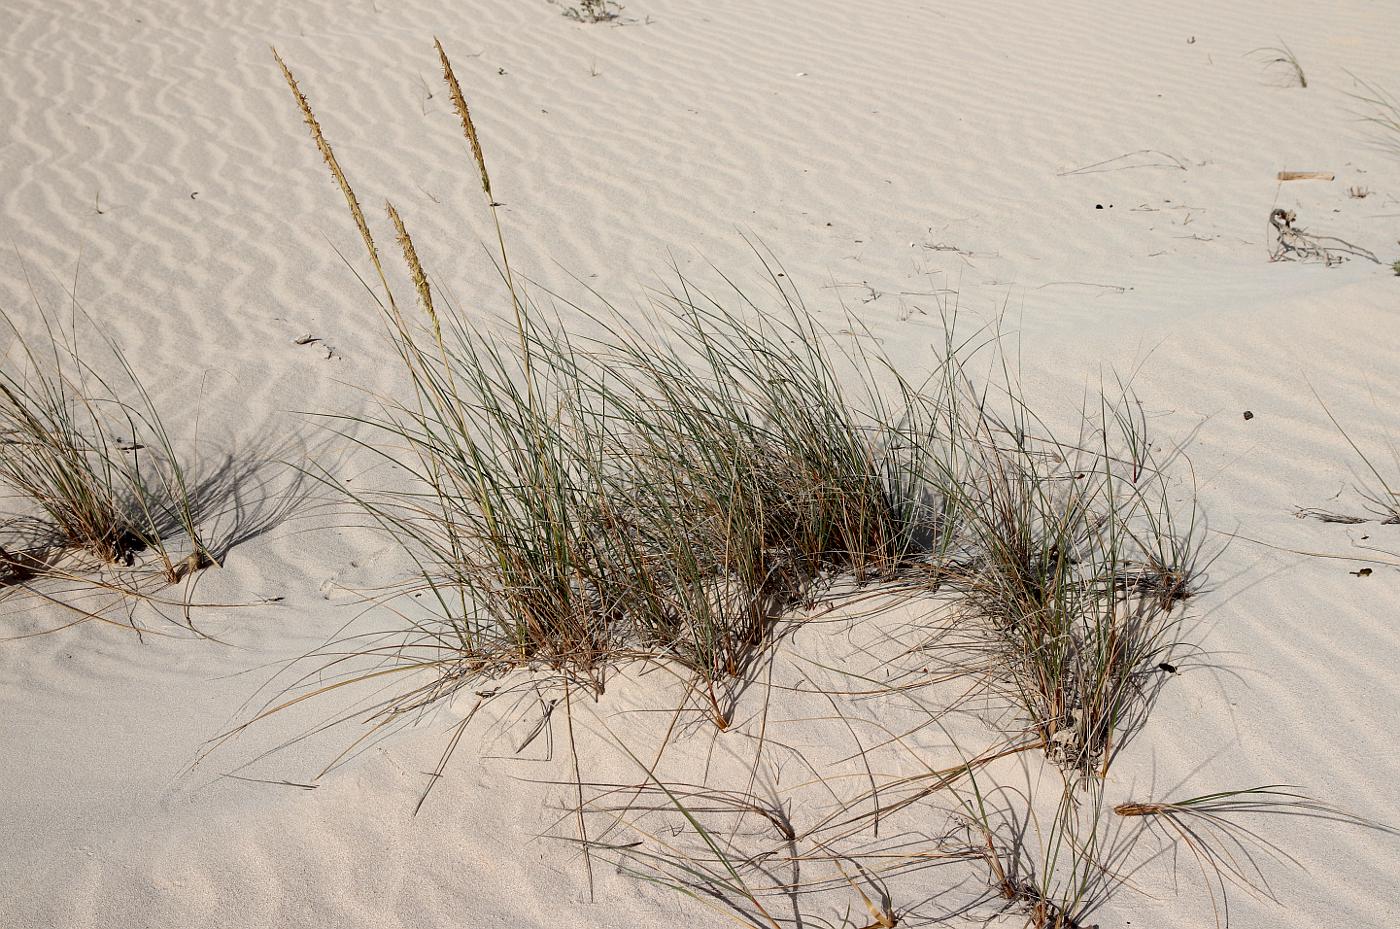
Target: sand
{"points": [[1099, 174]]}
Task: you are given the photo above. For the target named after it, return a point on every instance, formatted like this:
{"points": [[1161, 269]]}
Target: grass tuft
{"points": [[594, 11], [638, 496], [1380, 481], [1281, 56], [89, 462], [1073, 556]]}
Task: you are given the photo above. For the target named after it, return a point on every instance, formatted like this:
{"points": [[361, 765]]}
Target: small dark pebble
{"points": [[1169, 668], [1248, 415]]}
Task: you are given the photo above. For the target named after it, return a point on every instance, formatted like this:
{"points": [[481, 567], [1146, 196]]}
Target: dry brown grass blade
{"points": [[578, 789], [883, 917]]}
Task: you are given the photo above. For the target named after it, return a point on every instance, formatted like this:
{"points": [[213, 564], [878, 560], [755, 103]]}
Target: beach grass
{"points": [[89, 464], [633, 496], [674, 488], [1281, 57], [1074, 558], [1379, 479]]}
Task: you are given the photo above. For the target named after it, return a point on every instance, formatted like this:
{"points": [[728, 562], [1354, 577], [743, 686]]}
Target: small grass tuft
{"points": [[1282, 57], [1074, 557], [594, 11], [1380, 481], [89, 460], [1227, 852]]}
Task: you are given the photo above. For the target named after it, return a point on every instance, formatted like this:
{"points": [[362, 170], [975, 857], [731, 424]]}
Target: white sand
{"points": [[850, 138]]}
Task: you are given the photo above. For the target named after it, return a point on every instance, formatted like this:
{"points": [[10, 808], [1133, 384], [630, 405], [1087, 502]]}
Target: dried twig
{"points": [[1293, 243]]}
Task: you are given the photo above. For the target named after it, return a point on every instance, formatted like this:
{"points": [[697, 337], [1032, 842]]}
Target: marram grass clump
{"points": [[633, 496], [88, 464], [673, 488]]}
